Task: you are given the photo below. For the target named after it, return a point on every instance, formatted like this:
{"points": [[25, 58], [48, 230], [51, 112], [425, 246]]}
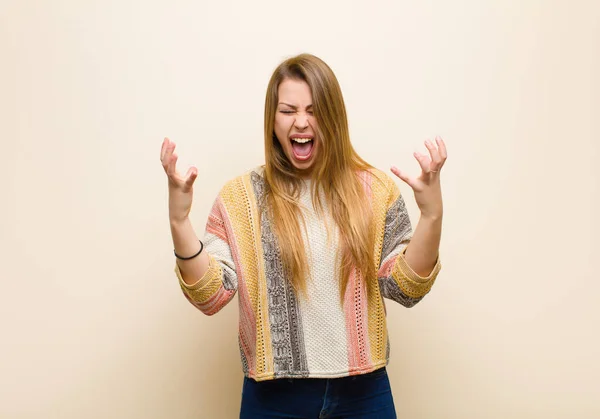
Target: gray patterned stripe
{"points": [[398, 231], [245, 368], [289, 354], [397, 228], [391, 290]]}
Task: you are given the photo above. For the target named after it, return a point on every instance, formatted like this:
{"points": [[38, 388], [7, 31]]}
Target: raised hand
{"points": [[180, 187], [426, 186]]}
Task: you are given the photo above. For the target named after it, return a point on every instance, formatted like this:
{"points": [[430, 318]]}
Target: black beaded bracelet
{"points": [[193, 256]]}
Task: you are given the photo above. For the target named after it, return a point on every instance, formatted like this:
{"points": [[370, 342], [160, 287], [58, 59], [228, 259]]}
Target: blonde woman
{"points": [[312, 242]]}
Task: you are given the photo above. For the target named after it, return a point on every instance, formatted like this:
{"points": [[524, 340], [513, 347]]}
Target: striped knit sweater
{"points": [[281, 333]]}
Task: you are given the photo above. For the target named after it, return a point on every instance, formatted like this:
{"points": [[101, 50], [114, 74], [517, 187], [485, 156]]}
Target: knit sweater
{"points": [[283, 333]]}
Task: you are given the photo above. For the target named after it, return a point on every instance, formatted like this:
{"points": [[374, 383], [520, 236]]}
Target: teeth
{"points": [[302, 140]]}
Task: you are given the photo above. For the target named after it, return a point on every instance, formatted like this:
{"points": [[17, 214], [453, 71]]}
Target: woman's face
{"points": [[295, 124]]}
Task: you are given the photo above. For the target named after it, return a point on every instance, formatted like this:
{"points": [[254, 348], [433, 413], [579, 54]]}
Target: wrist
{"points": [[178, 221]]}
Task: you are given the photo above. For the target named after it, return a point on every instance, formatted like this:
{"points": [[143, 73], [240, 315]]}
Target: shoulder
{"points": [[239, 183], [383, 185]]}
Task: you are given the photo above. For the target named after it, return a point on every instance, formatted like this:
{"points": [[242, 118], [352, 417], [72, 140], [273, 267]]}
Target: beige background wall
{"points": [[92, 323]]}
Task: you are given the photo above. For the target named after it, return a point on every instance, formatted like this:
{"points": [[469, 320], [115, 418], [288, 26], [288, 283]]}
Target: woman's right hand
{"points": [[180, 187]]}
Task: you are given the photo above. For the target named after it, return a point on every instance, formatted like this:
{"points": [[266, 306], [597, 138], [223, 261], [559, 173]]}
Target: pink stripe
{"points": [[247, 320], [357, 324], [215, 224], [217, 301], [214, 303], [386, 269], [217, 232]]}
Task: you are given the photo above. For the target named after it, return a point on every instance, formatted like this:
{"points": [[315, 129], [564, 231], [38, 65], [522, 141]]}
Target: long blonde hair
{"points": [[336, 174]]}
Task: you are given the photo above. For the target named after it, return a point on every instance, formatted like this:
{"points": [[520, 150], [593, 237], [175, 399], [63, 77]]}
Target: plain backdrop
{"points": [[92, 321]]}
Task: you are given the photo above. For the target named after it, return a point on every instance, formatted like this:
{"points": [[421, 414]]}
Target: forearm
{"points": [[423, 249], [186, 244]]}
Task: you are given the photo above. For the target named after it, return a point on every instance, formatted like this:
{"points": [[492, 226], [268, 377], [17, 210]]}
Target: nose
{"points": [[301, 121]]}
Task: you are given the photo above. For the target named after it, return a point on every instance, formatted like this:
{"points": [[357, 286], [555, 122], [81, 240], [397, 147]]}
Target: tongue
{"points": [[302, 150]]}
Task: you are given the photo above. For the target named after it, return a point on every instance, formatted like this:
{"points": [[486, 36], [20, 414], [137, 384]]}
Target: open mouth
{"points": [[302, 147]]}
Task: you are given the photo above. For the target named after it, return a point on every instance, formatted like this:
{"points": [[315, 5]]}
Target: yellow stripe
{"points": [[207, 286], [238, 198], [263, 324], [377, 322], [410, 282]]}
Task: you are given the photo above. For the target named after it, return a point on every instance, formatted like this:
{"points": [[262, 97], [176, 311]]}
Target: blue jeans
{"points": [[366, 396]]}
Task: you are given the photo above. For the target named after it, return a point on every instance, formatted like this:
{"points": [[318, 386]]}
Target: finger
{"points": [[190, 177], [402, 175], [433, 151], [424, 161], [442, 148], [172, 166], [169, 149], [163, 148]]}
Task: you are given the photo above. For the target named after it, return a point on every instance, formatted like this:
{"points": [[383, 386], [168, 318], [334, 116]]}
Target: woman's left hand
{"points": [[427, 189]]}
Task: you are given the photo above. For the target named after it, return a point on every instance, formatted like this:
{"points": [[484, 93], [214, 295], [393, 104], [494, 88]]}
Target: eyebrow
{"points": [[294, 107]]}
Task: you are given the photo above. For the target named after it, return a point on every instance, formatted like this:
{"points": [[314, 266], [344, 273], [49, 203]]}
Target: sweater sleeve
{"points": [[219, 284], [397, 280]]}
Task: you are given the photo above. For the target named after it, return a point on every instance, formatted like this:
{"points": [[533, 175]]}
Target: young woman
{"points": [[312, 241]]}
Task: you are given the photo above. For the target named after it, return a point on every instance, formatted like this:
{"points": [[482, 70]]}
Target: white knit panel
{"points": [[219, 249], [323, 320]]}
